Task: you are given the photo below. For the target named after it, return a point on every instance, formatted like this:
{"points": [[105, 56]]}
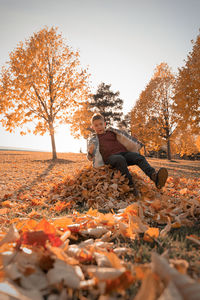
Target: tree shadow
{"points": [[51, 165], [55, 161], [179, 167], [10, 154]]}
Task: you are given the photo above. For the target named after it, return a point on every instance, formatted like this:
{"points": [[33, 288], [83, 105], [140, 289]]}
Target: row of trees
{"points": [[168, 109], [44, 83]]}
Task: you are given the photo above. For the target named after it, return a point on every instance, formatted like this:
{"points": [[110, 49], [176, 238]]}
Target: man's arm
{"points": [[90, 153]]}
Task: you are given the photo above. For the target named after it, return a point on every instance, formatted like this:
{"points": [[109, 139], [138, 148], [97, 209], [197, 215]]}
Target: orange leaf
{"points": [[149, 287], [141, 271], [4, 211], [156, 204], [62, 222], [2, 273], [176, 225], [39, 238], [7, 203], [26, 225], [45, 226], [60, 206], [120, 283], [151, 233], [131, 210], [114, 260]]}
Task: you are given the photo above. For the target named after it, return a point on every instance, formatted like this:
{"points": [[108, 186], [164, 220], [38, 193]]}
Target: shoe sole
{"points": [[161, 178]]}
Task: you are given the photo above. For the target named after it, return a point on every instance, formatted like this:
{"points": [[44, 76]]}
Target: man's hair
{"points": [[97, 117]]}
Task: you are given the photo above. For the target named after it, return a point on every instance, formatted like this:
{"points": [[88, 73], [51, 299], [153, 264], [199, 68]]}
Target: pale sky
{"points": [[121, 41]]}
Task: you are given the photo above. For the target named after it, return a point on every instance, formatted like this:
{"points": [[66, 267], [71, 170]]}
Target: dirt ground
{"points": [[20, 170]]}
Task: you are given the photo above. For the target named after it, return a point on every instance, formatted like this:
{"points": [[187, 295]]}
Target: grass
{"points": [[34, 173]]}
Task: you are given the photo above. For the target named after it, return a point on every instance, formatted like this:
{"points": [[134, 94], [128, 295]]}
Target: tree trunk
{"points": [[169, 149], [51, 129]]}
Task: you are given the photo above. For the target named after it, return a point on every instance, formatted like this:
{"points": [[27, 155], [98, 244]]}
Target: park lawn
{"points": [[70, 192]]}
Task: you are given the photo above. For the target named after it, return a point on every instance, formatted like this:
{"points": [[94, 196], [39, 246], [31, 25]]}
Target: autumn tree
{"points": [[187, 91], [43, 83], [125, 123], [152, 116], [197, 142], [81, 122], [108, 103], [186, 143], [143, 127]]}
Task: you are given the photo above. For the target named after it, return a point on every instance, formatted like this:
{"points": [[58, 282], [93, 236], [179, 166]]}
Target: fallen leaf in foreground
{"points": [[105, 273], [84, 255], [186, 286], [9, 289], [63, 272], [11, 237], [149, 288], [171, 293], [194, 239]]}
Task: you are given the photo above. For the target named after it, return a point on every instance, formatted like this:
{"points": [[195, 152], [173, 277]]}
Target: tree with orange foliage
{"points": [[198, 143], [152, 117], [143, 127], [186, 143], [44, 84], [187, 91]]}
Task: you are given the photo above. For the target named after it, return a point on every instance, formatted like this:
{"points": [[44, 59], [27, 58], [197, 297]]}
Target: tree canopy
{"points": [[108, 103], [43, 83], [187, 92], [152, 116]]}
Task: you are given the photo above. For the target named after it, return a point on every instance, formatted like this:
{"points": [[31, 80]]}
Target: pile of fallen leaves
{"points": [[104, 188], [78, 255]]}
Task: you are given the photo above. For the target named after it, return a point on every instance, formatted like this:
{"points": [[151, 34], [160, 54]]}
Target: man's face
{"points": [[99, 126]]}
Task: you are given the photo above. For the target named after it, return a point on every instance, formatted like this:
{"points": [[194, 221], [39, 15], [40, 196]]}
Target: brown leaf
{"points": [[149, 288], [187, 287], [62, 272], [11, 237], [105, 273], [167, 228], [170, 293], [9, 289]]}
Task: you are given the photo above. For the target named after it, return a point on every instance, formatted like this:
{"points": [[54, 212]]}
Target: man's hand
{"points": [[91, 149]]}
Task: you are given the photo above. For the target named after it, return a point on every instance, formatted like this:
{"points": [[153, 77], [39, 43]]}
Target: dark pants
{"points": [[122, 160]]}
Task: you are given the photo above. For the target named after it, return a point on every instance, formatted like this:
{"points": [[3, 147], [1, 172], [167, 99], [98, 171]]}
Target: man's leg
{"points": [[118, 162], [133, 158], [159, 178]]}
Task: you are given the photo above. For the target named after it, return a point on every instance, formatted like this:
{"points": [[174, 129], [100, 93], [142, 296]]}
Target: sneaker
{"points": [[160, 178]]}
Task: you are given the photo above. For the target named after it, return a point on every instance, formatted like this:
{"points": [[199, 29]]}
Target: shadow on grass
{"points": [[180, 168], [54, 162], [50, 167], [11, 154]]}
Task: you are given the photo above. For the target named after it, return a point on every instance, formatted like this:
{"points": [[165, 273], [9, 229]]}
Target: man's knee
{"points": [[134, 158], [117, 160], [120, 161]]}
